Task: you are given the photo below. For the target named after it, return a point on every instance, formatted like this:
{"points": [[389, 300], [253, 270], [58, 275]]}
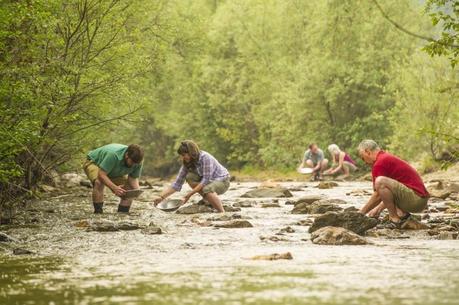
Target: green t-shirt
{"points": [[110, 158]]}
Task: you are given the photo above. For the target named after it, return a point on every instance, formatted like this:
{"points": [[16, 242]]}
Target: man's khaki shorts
{"points": [[92, 171], [219, 187], [407, 199]]}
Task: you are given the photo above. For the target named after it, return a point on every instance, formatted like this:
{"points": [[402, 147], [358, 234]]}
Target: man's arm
{"points": [[374, 200], [117, 190], [164, 194]]}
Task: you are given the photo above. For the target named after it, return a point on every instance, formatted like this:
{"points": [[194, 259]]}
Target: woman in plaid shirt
{"points": [[202, 172]]}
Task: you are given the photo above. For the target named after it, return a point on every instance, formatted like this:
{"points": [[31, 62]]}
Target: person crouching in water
{"points": [[342, 163], [202, 172], [116, 166]]}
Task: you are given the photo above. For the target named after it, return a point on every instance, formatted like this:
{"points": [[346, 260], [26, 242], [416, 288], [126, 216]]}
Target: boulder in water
{"points": [[103, 226], [353, 221], [326, 185], [318, 207], [413, 224], [277, 192], [336, 236], [308, 199], [194, 208]]}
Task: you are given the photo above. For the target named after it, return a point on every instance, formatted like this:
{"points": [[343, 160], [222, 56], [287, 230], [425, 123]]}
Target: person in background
{"points": [[342, 163], [203, 173], [397, 186], [116, 166], [314, 158]]}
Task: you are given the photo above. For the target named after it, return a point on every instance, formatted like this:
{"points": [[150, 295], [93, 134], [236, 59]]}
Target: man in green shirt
{"points": [[116, 166], [314, 158]]}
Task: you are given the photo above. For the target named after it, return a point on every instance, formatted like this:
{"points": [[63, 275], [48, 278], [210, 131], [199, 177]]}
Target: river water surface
{"points": [[191, 264]]}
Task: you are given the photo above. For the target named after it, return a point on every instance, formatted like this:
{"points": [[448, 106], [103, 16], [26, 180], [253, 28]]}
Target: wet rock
{"points": [[353, 221], [304, 222], [272, 257], [412, 224], [21, 251], [127, 226], [152, 229], [234, 224], [326, 185], [6, 238], [308, 199], [318, 207], [351, 209], [229, 208], [277, 192], [386, 233], [287, 229], [103, 226], [448, 235], [270, 205], [86, 183], [194, 208], [336, 236], [244, 204], [273, 238], [225, 217]]}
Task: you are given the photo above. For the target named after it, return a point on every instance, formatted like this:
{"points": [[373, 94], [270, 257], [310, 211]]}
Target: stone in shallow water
{"points": [[274, 238], [448, 235], [386, 233], [412, 224], [353, 221], [21, 251], [336, 236], [270, 205], [244, 204], [326, 185], [229, 208], [272, 257], [287, 229], [277, 192], [151, 229], [103, 226], [127, 226], [225, 217], [318, 207], [308, 199], [6, 238], [234, 224], [194, 209]]}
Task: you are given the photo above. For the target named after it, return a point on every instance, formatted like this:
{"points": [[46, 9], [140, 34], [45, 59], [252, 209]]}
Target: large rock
{"points": [[318, 207], [71, 179], [127, 226], [238, 223], [277, 192], [103, 226], [229, 208], [6, 238], [194, 208], [336, 236], [308, 199], [350, 220]]}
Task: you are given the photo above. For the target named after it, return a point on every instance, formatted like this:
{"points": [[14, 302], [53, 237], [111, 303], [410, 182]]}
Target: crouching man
{"points": [[397, 186], [116, 166]]}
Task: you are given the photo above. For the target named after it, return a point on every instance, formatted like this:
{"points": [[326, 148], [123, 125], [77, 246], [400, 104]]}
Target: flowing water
{"points": [[190, 264]]}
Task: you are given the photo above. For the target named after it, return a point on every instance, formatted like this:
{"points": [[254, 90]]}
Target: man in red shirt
{"points": [[397, 186]]}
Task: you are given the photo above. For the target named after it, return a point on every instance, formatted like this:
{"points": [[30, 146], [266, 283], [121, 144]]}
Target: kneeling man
{"points": [[116, 166], [397, 186]]}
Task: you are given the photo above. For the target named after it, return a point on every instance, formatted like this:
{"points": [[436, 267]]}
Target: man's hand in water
{"points": [[157, 200], [118, 191]]}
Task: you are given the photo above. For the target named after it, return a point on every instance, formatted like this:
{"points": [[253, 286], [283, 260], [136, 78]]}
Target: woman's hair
{"points": [[191, 148], [334, 149]]}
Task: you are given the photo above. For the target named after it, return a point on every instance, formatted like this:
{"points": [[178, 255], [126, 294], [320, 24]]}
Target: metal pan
{"points": [[132, 194], [169, 205]]}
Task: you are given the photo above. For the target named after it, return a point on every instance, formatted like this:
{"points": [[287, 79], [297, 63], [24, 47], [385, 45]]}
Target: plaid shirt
{"points": [[208, 168]]}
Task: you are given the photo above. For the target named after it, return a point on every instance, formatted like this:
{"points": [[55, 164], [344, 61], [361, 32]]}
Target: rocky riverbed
{"points": [[286, 243]]}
